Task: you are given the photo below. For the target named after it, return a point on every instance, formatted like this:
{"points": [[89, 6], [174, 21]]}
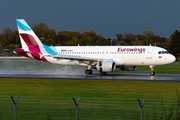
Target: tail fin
{"points": [[31, 45], [27, 36]]}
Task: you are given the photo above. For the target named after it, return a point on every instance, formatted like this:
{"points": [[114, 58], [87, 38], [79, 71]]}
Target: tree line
{"points": [[10, 39]]}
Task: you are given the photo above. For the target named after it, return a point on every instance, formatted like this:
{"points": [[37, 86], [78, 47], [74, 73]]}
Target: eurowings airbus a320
{"points": [[103, 58]]}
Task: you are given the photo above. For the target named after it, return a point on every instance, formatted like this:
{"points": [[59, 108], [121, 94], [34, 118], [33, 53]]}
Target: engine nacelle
{"points": [[127, 67], [106, 66]]}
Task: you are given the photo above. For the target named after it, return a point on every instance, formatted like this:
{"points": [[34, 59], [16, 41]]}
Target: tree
{"points": [[51, 34], [76, 34], [100, 40], [63, 37], [119, 36], [8, 34], [140, 39], [69, 43], [108, 41], [2, 40], [86, 41], [148, 33], [91, 34], [174, 46], [50, 42], [129, 38], [41, 30], [122, 42], [15, 38]]}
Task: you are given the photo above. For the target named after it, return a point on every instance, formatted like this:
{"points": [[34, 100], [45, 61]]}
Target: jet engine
{"points": [[106, 66], [127, 67]]}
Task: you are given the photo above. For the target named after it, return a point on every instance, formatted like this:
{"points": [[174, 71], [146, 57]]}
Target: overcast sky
{"points": [[105, 17]]}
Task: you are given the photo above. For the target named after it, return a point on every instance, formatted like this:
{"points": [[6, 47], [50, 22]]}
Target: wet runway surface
{"points": [[112, 76], [35, 69]]}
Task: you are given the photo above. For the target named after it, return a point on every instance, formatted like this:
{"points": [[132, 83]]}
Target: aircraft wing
{"points": [[78, 58]]}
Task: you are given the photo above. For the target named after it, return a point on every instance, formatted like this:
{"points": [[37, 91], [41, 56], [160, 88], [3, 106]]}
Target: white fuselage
{"points": [[121, 55]]}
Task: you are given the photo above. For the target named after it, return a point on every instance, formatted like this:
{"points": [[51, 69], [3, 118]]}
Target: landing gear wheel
{"points": [[152, 70], [88, 72], [152, 73]]}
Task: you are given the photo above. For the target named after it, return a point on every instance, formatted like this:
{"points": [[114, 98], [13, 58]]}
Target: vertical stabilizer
{"points": [[31, 45], [27, 36]]}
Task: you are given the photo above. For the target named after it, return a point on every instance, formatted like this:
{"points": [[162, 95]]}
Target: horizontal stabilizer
{"points": [[21, 51]]}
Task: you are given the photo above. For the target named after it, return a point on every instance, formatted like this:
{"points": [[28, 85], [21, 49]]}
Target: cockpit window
{"points": [[163, 52]]}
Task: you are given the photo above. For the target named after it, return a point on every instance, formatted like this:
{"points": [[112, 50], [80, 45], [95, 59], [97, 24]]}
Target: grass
{"points": [[91, 88], [52, 98]]}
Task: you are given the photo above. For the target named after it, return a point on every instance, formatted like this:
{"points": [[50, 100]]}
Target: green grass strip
{"points": [[89, 88], [45, 99]]}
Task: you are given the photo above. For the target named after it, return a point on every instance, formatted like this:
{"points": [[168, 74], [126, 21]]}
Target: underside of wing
{"points": [[78, 58]]}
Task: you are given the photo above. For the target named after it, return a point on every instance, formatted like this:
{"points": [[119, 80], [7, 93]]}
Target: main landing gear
{"points": [[88, 72], [152, 70]]}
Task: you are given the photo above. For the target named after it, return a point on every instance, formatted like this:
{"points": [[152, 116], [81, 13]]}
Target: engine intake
{"points": [[106, 66]]}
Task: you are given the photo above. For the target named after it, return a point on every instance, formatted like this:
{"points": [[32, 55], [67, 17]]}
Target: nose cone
{"points": [[172, 59]]}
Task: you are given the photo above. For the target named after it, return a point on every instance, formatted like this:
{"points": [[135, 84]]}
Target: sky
{"points": [[105, 17]]}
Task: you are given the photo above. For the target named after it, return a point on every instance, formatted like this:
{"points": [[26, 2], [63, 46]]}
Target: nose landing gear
{"points": [[152, 70]]}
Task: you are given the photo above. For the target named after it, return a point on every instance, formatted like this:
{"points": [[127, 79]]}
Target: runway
{"points": [[35, 69], [96, 76]]}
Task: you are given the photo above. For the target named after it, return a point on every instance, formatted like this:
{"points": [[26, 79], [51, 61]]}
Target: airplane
{"points": [[103, 58]]}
